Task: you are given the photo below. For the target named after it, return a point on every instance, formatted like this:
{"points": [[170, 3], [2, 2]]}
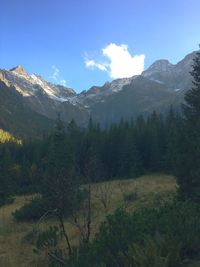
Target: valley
{"points": [[29, 99]]}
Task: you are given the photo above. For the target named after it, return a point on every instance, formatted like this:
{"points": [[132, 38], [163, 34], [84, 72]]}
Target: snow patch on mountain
{"points": [[30, 85], [117, 85]]}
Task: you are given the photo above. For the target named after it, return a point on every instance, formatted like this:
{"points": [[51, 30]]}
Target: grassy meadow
{"points": [[16, 251]]}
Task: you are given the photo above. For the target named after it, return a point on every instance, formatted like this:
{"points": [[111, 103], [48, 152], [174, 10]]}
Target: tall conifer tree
{"points": [[189, 157]]}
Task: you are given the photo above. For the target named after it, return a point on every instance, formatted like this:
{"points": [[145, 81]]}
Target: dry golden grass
{"points": [[106, 197], [13, 251]]}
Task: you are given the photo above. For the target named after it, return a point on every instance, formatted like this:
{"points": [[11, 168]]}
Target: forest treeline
{"points": [[124, 150]]}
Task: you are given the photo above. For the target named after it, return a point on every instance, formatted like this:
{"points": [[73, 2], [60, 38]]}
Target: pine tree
{"points": [[61, 184], [189, 156], [5, 175], [173, 128]]}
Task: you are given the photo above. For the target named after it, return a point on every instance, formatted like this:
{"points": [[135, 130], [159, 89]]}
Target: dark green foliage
{"points": [[4, 191], [6, 175], [166, 235], [61, 184], [38, 206], [48, 238], [31, 211], [5, 199], [188, 169], [49, 242], [125, 150], [153, 253], [173, 131]]}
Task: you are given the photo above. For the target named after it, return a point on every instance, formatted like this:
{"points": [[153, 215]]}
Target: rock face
{"points": [[159, 66], [175, 77], [19, 70], [41, 96], [29, 85], [17, 117], [158, 87]]}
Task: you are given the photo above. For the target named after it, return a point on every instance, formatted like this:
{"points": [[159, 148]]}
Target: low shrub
{"points": [[167, 235], [31, 211], [6, 201], [38, 206]]}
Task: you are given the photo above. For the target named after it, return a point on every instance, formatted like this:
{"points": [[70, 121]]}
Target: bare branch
{"points": [[58, 259]]}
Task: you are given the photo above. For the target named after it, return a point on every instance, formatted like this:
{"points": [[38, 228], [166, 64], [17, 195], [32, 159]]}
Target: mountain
{"points": [[175, 77], [17, 117], [139, 97], [28, 97], [43, 97], [160, 86]]}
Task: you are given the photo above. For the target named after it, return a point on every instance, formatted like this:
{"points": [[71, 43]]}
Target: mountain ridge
{"points": [[159, 86]]}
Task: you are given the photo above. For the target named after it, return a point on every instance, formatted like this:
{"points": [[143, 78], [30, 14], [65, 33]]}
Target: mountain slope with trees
{"points": [[188, 170], [61, 167], [157, 88], [17, 118]]}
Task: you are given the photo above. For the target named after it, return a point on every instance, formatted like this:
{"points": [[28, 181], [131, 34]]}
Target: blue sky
{"points": [[88, 42]]}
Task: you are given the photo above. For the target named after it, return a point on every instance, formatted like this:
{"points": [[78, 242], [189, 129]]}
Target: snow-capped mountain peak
{"points": [[160, 84], [33, 85]]}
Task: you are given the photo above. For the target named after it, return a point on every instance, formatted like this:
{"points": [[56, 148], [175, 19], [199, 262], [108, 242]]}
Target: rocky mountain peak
{"points": [[19, 70], [161, 85], [162, 65], [186, 63]]}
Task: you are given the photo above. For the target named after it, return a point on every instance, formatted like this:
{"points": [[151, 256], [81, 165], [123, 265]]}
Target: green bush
{"points": [[38, 206], [152, 253], [31, 211], [164, 236], [7, 200]]}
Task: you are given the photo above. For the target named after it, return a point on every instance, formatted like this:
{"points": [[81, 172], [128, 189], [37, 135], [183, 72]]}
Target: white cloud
{"points": [[120, 64], [56, 76], [63, 82], [93, 64]]}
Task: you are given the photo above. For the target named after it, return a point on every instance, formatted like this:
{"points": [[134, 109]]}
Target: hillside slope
{"points": [[17, 118]]}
